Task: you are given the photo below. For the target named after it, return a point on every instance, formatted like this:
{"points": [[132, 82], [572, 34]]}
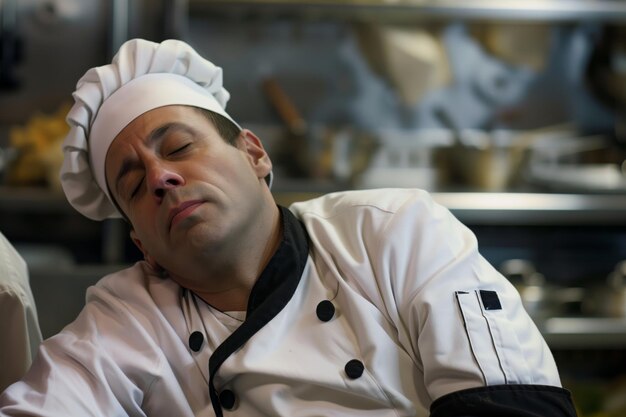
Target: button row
{"points": [[325, 312], [354, 369]]}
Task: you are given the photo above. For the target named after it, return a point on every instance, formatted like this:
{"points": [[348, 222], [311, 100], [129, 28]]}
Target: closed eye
{"points": [[177, 150], [136, 190]]}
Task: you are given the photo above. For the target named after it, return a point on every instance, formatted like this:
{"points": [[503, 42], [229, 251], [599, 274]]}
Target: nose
{"points": [[162, 179]]}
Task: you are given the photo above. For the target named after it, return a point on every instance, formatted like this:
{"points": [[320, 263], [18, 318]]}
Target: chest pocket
{"points": [[492, 338]]}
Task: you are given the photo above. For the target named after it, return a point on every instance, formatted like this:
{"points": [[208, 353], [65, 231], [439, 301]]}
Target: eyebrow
{"points": [[157, 135]]}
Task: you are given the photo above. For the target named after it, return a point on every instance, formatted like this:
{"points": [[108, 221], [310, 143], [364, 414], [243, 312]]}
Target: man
{"points": [[363, 303], [19, 328]]}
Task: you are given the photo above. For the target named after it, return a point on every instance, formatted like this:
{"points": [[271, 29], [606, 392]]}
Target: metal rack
{"points": [[536, 208], [478, 208], [475, 207], [507, 208], [509, 10], [584, 332]]}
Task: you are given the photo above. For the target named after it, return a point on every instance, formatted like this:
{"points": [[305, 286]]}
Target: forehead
{"points": [[137, 133], [139, 129], [143, 125]]}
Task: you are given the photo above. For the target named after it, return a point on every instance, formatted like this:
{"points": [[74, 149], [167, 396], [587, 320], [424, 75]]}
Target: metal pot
{"points": [[608, 300], [541, 300], [531, 286]]}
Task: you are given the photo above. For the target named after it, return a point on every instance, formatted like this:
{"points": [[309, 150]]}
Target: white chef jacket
{"points": [[19, 328], [378, 306]]}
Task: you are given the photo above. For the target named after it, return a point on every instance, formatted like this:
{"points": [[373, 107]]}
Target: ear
{"points": [[258, 157], [146, 255]]}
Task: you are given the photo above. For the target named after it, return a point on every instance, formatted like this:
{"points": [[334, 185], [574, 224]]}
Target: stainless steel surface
{"points": [[537, 299], [535, 208], [37, 200], [41, 215], [175, 19], [7, 155], [534, 10], [584, 332], [8, 16], [8, 44], [119, 24], [473, 207], [60, 40]]}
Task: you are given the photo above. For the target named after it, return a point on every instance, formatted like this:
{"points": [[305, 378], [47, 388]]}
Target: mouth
{"points": [[183, 210]]}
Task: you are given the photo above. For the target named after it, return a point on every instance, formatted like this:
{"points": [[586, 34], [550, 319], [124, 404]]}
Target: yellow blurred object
{"points": [[519, 44], [38, 145], [599, 397], [412, 59], [615, 400]]}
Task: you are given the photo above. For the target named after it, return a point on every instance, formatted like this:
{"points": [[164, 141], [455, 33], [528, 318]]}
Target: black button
{"points": [[325, 310], [354, 369], [195, 341], [227, 399]]}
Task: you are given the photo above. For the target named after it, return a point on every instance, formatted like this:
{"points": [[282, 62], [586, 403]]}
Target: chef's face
{"points": [[183, 188]]}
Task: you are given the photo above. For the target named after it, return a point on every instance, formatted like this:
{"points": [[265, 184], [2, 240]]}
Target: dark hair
{"points": [[226, 128]]}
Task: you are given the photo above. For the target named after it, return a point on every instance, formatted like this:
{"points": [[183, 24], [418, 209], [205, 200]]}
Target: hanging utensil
{"points": [[295, 154], [609, 299]]}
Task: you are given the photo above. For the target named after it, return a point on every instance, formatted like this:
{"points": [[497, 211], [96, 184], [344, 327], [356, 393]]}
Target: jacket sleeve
{"points": [[461, 319], [19, 328], [19, 333], [507, 401], [88, 369]]}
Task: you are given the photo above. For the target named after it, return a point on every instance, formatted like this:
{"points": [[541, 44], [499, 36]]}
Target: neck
{"points": [[227, 285]]}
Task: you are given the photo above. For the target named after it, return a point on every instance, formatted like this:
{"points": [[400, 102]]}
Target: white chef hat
{"points": [[142, 76]]}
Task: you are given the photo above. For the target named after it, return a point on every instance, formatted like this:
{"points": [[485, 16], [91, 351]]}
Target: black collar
{"points": [[270, 294]]}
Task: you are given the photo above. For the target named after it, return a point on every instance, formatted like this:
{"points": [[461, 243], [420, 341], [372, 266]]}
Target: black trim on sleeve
{"points": [[506, 401], [270, 294]]}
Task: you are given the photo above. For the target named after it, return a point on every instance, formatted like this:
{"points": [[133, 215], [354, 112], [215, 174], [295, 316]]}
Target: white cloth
{"points": [[142, 76], [19, 328], [400, 270]]}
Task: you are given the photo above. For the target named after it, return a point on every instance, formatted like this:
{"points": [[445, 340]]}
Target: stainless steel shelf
{"points": [[529, 10], [536, 208], [478, 208], [585, 332], [482, 208], [32, 199]]}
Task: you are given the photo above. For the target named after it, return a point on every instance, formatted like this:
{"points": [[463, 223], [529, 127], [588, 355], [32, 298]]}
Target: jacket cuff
{"points": [[506, 401]]}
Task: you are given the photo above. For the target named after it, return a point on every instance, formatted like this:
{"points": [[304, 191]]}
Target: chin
{"points": [[202, 237]]}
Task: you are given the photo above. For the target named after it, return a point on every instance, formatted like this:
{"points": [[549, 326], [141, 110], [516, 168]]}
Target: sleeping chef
{"points": [[362, 303]]}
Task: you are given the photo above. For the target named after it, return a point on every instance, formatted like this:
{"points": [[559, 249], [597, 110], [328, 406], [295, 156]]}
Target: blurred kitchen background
{"points": [[511, 112]]}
